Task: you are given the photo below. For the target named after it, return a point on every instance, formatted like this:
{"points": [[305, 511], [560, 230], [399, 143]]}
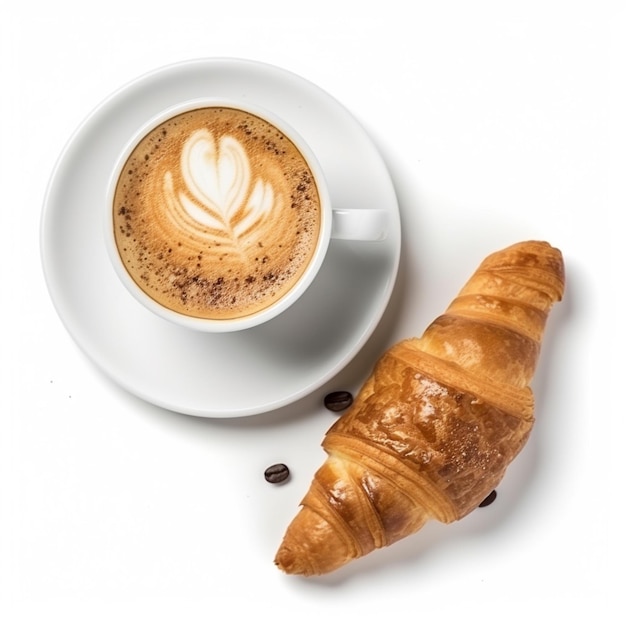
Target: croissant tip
{"points": [[540, 259], [291, 562]]}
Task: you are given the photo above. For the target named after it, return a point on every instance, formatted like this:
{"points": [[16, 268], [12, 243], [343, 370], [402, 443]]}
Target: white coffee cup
{"points": [[334, 223]]}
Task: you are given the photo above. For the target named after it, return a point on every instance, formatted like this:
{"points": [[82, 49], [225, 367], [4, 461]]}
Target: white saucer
{"points": [[233, 374]]}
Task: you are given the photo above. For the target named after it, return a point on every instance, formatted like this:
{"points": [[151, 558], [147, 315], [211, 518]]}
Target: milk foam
{"points": [[220, 194], [216, 214]]}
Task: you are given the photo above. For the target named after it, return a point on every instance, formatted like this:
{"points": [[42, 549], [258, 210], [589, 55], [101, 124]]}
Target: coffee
{"points": [[489, 499], [216, 214], [277, 473], [338, 400]]}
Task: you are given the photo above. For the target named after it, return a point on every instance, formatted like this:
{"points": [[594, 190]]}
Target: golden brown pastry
{"points": [[435, 426]]}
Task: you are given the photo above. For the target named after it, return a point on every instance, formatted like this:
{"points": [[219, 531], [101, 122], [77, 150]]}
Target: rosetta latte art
{"points": [[220, 194], [216, 214]]}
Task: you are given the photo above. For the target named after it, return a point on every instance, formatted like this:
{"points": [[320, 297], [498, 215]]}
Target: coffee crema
{"points": [[216, 214]]}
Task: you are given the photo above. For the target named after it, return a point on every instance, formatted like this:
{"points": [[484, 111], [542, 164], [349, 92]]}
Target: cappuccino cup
{"points": [[218, 216]]}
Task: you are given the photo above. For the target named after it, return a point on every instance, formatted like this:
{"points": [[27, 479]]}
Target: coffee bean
{"points": [[338, 400], [489, 499], [277, 473]]}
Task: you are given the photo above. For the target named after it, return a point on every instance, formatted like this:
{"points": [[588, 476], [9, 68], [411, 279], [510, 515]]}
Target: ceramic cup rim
{"points": [[285, 301]]}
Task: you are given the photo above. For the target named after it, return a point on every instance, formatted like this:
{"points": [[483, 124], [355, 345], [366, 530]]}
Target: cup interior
{"points": [[185, 205]]}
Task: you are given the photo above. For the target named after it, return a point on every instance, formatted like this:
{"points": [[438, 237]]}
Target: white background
{"points": [[498, 121]]}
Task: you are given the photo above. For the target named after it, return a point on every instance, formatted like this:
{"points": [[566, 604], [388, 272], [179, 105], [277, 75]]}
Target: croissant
{"points": [[433, 429]]}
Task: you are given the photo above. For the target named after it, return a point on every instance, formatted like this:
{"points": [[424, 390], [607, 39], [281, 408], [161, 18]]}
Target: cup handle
{"points": [[360, 224]]}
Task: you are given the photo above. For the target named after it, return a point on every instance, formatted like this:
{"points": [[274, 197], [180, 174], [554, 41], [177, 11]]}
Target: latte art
{"points": [[216, 214], [220, 194]]}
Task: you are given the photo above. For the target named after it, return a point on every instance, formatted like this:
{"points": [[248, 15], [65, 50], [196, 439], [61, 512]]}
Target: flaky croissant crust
{"points": [[437, 423]]}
